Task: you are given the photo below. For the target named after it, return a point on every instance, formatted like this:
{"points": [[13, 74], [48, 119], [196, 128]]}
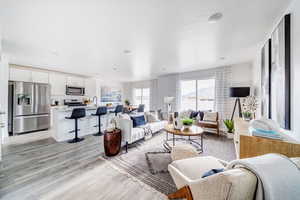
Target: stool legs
{"points": [[76, 139], [99, 122]]}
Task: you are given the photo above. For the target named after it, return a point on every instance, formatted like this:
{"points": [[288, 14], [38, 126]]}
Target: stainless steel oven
{"points": [[75, 91]]}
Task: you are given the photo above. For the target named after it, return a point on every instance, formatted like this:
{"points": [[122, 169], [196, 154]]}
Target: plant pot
{"points": [[229, 135], [187, 127]]}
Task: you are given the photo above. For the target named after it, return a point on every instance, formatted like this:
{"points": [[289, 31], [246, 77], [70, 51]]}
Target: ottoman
{"points": [[183, 151]]}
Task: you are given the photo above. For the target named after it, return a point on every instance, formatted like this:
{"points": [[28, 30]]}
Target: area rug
{"points": [[135, 161]]}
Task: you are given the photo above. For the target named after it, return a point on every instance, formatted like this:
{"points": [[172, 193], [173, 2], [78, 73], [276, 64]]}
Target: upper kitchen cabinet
{"points": [[16, 74], [90, 87], [58, 83], [40, 77], [75, 81]]}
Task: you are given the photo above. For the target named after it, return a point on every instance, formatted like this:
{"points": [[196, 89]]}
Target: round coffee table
{"points": [[195, 132]]}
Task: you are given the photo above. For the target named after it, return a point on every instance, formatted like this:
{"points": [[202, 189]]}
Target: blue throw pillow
{"points": [[138, 120], [212, 172]]}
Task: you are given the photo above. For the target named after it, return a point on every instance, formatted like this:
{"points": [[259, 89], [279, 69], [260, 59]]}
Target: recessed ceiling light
{"points": [[115, 69], [54, 52], [126, 51], [215, 17], [222, 58]]}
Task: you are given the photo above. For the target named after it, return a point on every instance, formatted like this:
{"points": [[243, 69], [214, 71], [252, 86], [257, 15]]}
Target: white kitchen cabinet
{"points": [[90, 87], [75, 81], [40, 77], [16, 74], [58, 83]]}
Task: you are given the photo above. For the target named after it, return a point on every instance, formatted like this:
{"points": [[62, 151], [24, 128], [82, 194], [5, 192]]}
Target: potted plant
{"points": [[187, 123], [230, 127], [127, 102], [247, 116]]}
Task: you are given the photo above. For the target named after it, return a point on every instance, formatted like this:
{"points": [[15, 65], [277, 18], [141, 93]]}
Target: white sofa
{"points": [[131, 135]]}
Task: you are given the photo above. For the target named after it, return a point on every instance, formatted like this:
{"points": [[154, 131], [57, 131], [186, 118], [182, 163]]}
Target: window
{"points": [[197, 94], [142, 96]]}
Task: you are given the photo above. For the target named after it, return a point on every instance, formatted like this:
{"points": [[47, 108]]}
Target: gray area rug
{"points": [[155, 175]]}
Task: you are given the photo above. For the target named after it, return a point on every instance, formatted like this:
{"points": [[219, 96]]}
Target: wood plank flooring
{"points": [[45, 169]]}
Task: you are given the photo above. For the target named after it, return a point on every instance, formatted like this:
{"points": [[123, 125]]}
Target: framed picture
{"points": [[280, 73], [266, 80], [111, 95]]}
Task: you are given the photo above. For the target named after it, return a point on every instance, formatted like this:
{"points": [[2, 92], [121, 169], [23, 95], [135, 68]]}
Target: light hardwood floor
{"points": [[45, 169]]}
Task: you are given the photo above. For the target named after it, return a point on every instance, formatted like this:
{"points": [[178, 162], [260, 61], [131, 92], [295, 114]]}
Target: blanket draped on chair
{"points": [[278, 176]]}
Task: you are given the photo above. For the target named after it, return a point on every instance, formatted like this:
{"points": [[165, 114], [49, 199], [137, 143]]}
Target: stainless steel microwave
{"points": [[75, 91]]}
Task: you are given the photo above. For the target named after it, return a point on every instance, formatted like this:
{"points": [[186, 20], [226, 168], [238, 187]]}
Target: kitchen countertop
{"points": [[69, 109]]}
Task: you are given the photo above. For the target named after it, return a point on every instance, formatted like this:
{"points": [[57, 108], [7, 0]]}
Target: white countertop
{"points": [[69, 109]]}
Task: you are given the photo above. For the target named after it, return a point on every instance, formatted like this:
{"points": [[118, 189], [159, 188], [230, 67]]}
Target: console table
{"points": [[247, 145]]}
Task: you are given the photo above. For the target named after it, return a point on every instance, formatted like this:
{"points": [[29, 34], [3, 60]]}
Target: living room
{"points": [[149, 100]]}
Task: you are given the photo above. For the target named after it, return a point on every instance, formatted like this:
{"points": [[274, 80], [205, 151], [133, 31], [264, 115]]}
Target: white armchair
{"points": [[232, 184]]}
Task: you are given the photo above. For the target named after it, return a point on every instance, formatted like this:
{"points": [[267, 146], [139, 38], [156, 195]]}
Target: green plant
{"points": [[127, 102], [247, 114], [229, 125], [187, 121]]}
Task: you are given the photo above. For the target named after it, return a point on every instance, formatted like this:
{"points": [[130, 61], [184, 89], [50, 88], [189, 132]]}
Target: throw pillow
{"points": [[210, 116], [212, 172], [151, 117], [124, 116], [138, 120], [194, 115], [160, 114]]}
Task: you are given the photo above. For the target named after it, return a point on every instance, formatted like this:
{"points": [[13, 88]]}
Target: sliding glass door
{"points": [[197, 94]]}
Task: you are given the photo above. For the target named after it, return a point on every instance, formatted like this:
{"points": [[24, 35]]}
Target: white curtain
{"points": [[223, 83]]}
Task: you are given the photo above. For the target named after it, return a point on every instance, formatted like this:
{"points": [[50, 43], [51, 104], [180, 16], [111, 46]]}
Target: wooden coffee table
{"points": [[195, 132]]}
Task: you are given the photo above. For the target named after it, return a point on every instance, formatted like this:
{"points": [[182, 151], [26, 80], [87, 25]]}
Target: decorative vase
{"points": [[112, 142]]}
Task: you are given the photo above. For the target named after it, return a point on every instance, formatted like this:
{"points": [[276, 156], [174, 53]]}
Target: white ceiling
{"points": [[164, 36]]}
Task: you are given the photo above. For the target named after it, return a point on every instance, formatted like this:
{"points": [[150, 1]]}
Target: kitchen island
{"points": [[62, 128]]}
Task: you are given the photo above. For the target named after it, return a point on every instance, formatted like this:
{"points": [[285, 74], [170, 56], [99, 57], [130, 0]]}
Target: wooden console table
{"points": [[247, 145]]}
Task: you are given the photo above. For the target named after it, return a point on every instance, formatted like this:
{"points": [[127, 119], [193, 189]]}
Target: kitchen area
{"points": [[40, 100]]}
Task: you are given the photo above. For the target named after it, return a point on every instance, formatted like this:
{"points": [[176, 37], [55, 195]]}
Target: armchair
{"points": [[231, 184]]}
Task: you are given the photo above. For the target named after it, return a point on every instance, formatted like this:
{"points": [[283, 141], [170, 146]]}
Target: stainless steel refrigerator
{"points": [[29, 107]]}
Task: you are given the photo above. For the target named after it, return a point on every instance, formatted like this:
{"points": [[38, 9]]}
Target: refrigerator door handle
{"points": [[31, 116]]}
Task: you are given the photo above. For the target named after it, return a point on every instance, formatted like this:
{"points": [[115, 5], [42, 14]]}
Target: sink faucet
{"points": [[95, 103]]}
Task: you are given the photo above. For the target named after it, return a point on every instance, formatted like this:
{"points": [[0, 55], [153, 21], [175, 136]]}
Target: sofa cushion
{"points": [[157, 126], [137, 134], [207, 123], [138, 120], [151, 117], [210, 116], [194, 168]]}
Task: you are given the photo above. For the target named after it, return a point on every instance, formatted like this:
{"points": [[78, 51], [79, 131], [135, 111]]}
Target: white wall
{"points": [[168, 85], [107, 83], [4, 93], [294, 9]]}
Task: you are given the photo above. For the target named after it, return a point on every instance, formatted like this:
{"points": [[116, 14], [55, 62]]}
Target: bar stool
{"points": [[102, 110], [77, 113], [118, 109]]}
